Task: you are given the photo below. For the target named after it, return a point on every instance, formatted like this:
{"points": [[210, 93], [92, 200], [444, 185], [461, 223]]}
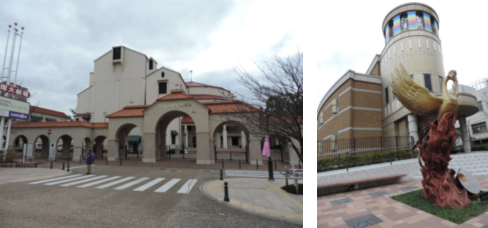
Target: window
{"points": [[480, 105], [173, 139], [428, 82], [116, 53], [321, 118], [420, 20], [194, 140], [441, 80], [337, 104], [150, 64], [479, 128], [162, 88], [386, 95], [235, 141]]}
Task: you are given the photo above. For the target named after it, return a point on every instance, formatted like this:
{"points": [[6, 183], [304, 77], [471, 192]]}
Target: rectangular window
{"points": [[162, 88], [386, 95], [479, 128], [428, 82], [337, 104], [116, 53], [441, 80], [480, 105], [150, 64]]}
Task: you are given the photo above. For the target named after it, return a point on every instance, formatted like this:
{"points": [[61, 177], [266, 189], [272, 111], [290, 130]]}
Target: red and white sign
{"points": [[49, 132], [14, 90]]}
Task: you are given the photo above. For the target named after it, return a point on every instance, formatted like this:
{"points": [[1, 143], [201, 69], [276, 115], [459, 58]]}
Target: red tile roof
{"points": [[230, 107], [47, 111], [187, 119], [214, 97], [129, 111], [60, 124]]}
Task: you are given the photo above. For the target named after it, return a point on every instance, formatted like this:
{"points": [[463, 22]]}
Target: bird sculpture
{"points": [[418, 100]]}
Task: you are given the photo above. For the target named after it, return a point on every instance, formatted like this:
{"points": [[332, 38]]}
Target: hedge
{"points": [[354, 160]]}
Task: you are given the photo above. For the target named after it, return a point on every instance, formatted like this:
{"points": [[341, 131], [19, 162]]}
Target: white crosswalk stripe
{"points": [[149, 184], [115, 182], [186, 188], [118, 183], [83, 181], [68, 180], [131, 183], [168, 185], [53, 179], [98, 182]]}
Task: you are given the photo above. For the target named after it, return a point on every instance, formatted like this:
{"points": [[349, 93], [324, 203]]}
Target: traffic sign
{"points": [[49, 132]]}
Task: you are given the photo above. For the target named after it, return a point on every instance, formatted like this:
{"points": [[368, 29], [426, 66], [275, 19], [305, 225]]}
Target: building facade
{"points": [[131, 106], [411, 33]]}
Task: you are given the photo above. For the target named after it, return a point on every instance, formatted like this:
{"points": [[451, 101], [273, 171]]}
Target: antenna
{"points": [[191, 75]]}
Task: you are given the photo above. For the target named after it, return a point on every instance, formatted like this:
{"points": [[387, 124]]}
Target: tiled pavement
{"points": [[373, 207]]}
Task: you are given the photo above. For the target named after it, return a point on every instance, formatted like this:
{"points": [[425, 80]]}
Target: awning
{"points": [[134, 139], [174, 132], [50, 119], [38, 118]]}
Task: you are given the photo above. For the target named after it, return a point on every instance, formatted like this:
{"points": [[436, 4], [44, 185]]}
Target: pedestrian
{"points": [[89, 161]]}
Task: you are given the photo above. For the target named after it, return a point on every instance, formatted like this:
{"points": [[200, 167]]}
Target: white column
{"points": [[224, 136], [412, 126], [243, 139], [1, 138], [464, 134], [185, 129]]}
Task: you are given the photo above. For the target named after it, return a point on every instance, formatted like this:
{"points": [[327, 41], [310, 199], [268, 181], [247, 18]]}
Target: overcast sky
{"points": [[63, 38], [352, 36]]}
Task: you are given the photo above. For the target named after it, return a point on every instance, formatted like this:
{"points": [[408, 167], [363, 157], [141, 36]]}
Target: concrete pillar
{"points": [[243, 139], [203, 148], [412, 126], [224, 136], [111, 149], [66, 148], [186, 136], [76, 149], [255, 147], [149, 144], [464, 134]]}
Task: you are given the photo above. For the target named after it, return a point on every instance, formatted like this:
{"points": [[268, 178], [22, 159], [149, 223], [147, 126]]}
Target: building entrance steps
{"points": [[259, 197]]}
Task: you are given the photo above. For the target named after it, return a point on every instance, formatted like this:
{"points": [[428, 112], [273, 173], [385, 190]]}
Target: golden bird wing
{"points": [[415, 98]]}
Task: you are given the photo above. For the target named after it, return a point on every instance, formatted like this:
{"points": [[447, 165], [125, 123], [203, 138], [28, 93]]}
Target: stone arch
{"points": [[231, 140], [19, 142], [171, 142], [65, 145], [41, 146], [98, 146], [121, 136]]}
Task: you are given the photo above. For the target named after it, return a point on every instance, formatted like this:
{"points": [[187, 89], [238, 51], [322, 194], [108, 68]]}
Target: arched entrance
{"points": [[231, 141], [64, 146], [19, 143], [122, 136], [175, 135], [98, 146], [41, 146]]}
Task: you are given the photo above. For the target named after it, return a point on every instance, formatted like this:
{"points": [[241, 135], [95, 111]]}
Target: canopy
{"points": [[134, 139]]}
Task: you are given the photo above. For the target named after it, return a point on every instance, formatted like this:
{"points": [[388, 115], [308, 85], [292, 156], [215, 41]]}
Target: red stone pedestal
{"points": [[439, 182]]}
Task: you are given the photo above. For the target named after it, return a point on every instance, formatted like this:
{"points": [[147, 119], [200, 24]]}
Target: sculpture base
{"points": [[439, 183]]}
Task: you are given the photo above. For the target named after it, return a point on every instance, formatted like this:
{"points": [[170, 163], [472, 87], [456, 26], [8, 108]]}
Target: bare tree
{"points": [[277, 90]]}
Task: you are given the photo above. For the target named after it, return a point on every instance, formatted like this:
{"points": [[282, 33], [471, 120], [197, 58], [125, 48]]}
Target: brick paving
{"points": [[373, 207]]}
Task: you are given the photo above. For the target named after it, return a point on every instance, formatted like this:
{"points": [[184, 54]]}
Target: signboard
{"points": [[30, 149], [14, 90], [116, 146], [49, 132], [14, 109], [52, 150]]}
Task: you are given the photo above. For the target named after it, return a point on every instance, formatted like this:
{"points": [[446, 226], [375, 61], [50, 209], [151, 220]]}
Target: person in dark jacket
{"points": [[89, 161]]}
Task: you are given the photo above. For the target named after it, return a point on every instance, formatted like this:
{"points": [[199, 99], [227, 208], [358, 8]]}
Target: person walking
{"points": [[89, 162]]}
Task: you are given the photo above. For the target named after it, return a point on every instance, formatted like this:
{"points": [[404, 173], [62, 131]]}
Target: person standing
{"points": [[89, 161]]}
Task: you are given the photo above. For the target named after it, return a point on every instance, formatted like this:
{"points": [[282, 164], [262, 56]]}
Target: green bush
{"points": [[354, 160]]}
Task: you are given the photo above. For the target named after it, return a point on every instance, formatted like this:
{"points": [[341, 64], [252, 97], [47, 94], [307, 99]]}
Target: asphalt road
{"points": [[26, 205]]}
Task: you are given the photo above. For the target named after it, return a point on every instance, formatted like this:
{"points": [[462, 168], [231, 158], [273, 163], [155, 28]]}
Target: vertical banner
{"points": [[30, 149], [116, 151], [52, 150]]}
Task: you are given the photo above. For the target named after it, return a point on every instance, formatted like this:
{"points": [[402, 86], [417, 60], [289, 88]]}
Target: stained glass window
{"points": [[427, 24], [396, 25], [412, 20], [387, 33], [435, 28]]}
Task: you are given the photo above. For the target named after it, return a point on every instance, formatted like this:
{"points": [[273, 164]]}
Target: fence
{"points": [[231, 153], [346, 153]]}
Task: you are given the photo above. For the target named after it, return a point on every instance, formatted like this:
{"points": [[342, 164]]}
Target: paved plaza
{"points": [[131, 196], [373, 207]]}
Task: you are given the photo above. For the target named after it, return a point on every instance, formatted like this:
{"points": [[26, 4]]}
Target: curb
{"points": [[201, 187]]}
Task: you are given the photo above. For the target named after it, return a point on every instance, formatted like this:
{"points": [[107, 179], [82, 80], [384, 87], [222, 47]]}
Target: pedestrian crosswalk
{"points": [[119, 183]]}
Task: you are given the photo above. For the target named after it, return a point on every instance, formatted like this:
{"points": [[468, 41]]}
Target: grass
{"points": [[460, 215]]}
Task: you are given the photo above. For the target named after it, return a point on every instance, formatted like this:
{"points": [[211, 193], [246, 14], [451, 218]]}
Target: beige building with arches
{"points": [[131, 106]]}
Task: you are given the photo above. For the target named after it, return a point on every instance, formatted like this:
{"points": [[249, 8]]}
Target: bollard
{"points": [[239, 163], [68, 168], [270, 169], [222, 163], [63, 166], [226, 197], [257, 164], [51, 165], [221, 174]]}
